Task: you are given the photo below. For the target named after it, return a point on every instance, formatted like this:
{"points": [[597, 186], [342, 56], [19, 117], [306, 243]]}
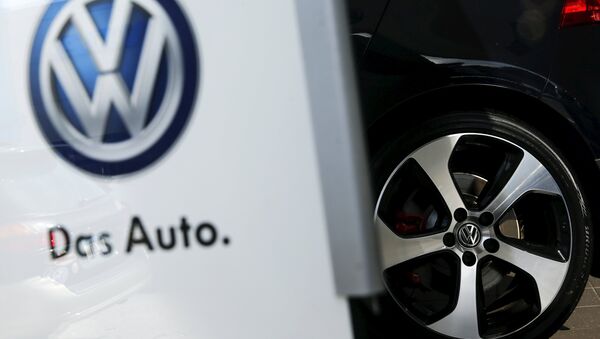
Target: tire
{"points": [[483, 227]]}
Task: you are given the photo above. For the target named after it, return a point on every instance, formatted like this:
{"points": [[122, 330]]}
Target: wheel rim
{"points": [[475, 236]]}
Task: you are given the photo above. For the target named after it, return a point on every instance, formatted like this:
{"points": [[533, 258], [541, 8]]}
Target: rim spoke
{"points": [[397, 250], [529, 176], [548, 274], [462, 322], [433, 159]]}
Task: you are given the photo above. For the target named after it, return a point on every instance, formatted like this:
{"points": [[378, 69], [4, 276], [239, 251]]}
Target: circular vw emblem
{"points": [[113, 82], [469, 235]]}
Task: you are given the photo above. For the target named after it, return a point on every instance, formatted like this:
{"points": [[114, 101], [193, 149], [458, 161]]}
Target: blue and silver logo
{"points": [[113, 82]]}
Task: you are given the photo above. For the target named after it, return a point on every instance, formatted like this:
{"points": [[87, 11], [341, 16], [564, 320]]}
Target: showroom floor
{"points": [[585, 321]]}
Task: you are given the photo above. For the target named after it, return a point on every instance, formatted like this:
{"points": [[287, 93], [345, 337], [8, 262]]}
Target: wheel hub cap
{"points": [[469, 235]]}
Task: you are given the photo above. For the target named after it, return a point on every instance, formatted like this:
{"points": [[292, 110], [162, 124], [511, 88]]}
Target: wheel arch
{"points": [[556, 126]]}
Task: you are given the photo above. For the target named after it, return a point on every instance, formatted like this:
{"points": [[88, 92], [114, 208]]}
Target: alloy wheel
{"points": [[475, 234]]}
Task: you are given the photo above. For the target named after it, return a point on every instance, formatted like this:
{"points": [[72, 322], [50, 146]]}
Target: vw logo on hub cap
{"points": [[113, 82], [469, 235]]}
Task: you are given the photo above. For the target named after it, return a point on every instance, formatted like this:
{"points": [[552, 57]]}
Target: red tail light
{"points": [[579, 12]]}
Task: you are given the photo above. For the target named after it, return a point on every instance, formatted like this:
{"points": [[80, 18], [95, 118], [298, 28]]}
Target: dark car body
{"points": [[417, 58]]}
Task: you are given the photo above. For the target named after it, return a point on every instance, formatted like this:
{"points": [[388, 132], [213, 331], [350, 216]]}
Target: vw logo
{"points": [[469, 235], [113, 82]]}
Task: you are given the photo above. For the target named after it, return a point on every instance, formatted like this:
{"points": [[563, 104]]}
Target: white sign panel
{"points": [[159, 175]]}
